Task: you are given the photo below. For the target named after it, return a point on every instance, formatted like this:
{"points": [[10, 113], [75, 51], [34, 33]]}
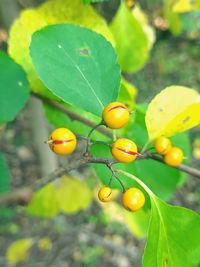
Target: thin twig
{"points": [[87, 151], [73, 115], [23, 195], [182, 167], [147, 155]]}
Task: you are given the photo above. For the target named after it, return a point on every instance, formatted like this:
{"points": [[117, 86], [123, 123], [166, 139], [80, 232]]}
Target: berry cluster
{"points": [[115, 115], [133, 198], [172, 156]]}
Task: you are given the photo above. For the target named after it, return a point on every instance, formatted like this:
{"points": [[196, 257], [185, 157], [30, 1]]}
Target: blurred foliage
{"points": [[127, 94], [45, 244], [18, 251], [133, 51], [5, 176], [173, 19], [181, 6], [67, 195]]}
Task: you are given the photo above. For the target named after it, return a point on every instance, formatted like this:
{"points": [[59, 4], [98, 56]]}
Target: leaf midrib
{"points": [[83, 76], [164, 230]]}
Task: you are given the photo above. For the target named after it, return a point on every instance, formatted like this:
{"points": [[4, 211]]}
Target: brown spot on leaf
{"points": [[186, 119], [84, 51]]}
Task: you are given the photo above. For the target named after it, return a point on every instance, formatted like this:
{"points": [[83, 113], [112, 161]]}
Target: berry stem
{"points": [[87, 151], [137, 180], [145, 146], [114, 135], [117, 178], [110, 181]]}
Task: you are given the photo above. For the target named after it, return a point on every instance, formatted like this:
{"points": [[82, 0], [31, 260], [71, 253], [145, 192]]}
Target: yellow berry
{"points": [[105, 194], [45, 244], [62, 141], [174, 157], [124, 150], [115, 115], [133, 199], [162, 145]]}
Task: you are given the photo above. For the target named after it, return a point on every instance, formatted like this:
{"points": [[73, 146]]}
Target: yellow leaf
{"points": [[45, 244], [174, 110], [182, 6], [44, 202], [18, 251], [51, 12], [73, 194]]}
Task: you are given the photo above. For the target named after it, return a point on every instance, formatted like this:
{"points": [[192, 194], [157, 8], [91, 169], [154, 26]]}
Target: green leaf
{"points": [[173, 237], [4, 176], [68, 61], [93, 1], [127, 94], [131, 41], [137, 222], [173, 19], [48, 13], [143, 19], [14, 90]]}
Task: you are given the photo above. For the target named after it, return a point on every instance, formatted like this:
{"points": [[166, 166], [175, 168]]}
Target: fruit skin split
{"points": [[105, 194], [115, 115], [62, 141], [124, 150]]}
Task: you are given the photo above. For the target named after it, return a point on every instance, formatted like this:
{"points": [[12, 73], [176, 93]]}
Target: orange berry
{"points": [[124, 150], [115, 115], [162, 145], [174, 157], [133, 199], [105, 194], [62, 141]]}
